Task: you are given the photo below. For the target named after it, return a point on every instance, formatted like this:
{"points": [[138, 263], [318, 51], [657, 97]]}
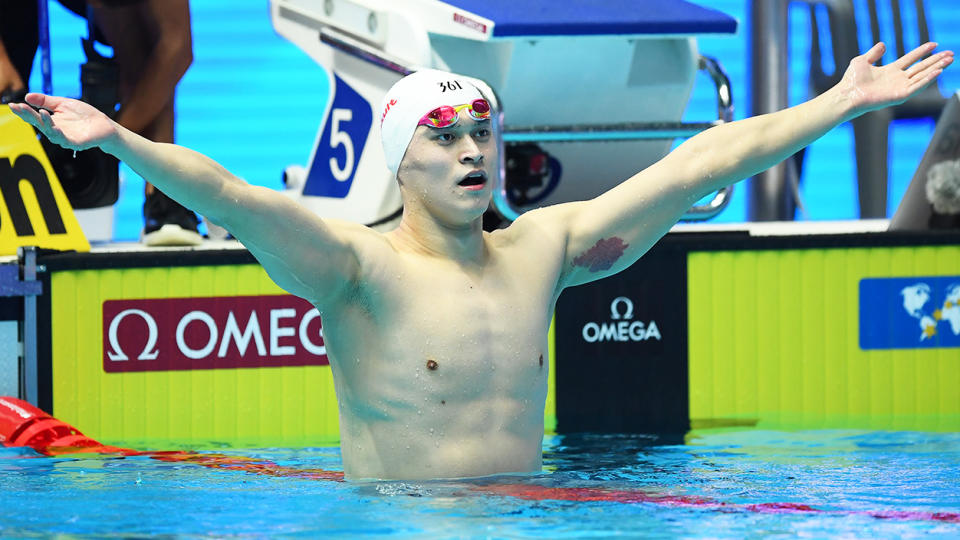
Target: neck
{"points": [[425, 234]]}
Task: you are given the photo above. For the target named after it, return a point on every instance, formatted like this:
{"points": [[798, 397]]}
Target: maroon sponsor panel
{"points": [[163, 334]]}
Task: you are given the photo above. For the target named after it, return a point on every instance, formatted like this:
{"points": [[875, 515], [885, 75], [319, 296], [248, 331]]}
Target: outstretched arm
{"points": [[303, 254], [609, 233]]}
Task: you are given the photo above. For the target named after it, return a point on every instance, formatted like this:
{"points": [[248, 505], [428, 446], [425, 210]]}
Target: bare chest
{"points": [[443, 333]]}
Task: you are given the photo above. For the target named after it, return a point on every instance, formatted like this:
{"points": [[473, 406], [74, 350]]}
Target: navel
{"points": [[541, 360]]}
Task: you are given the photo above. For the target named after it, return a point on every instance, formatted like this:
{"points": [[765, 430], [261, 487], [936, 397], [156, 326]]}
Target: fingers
{"points": [[875, 53], [928, 75], [26, 113], [925, 64], [41, 120], [42, 101], [46, 121], [921, 82], [906, 60]]}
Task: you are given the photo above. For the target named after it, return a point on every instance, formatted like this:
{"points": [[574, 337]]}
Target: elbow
{"points": [[183, 56], [185, 59]]}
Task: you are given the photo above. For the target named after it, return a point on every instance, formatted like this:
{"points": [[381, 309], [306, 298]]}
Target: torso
{"points": [[441, 369]]}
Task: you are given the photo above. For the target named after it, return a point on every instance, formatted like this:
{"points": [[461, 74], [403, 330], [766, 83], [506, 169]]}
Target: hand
{"points": [[871, 87], [67, 122]]}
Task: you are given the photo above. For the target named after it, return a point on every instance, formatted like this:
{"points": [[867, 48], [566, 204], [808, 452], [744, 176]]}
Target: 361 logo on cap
{"points": [[450, 85]]}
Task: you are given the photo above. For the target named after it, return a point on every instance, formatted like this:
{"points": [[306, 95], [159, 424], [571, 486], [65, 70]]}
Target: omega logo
{"points": [[623, 329], [116, 354], [204, 333], [628, 312]]}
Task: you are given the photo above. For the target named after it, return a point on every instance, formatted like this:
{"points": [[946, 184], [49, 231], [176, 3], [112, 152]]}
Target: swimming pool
{"points": [[719, 484]]}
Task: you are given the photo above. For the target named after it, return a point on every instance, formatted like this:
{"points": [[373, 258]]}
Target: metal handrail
{"points": [[723, 196], [579, 133]]}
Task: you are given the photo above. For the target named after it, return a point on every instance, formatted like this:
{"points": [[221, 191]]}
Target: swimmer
{"points": [[436, 330]]}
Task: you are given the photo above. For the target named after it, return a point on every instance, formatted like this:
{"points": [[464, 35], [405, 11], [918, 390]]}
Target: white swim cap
{"points": [[411, 98]]}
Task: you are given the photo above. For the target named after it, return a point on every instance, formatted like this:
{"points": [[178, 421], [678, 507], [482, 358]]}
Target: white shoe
{"points": [[172, 234]]}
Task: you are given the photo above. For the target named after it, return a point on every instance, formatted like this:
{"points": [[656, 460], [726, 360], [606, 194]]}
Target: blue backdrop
{"points": [[253, 101]]}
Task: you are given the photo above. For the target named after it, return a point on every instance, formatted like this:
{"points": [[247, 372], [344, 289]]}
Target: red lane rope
{"points": [[22, 424]]}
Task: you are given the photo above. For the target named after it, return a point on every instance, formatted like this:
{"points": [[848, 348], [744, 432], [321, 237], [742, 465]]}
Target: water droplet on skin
{"points": [[431, 430], [419, 411], [408, 447]]}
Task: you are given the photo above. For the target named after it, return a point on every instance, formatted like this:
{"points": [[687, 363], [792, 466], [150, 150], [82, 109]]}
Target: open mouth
{"points": [[474, 180]]}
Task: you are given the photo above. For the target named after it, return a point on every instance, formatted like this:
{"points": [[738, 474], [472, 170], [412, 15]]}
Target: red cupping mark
{"points": [[602, 255]]}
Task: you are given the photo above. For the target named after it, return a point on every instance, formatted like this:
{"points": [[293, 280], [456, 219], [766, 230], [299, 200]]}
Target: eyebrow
{"points": [[454, 128]]}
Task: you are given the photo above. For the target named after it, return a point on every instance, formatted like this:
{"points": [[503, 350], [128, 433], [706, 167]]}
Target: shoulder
{"points": [[549, 223], [359, 237]]}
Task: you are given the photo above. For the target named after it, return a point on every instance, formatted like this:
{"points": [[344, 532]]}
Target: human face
{"points": [[449, 171]]}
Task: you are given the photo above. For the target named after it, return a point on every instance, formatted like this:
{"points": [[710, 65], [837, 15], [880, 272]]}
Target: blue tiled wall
{"points": [[253, 101]]}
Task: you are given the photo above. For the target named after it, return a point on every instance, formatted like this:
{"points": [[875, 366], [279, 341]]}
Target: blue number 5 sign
{"points": [[341, 144]]}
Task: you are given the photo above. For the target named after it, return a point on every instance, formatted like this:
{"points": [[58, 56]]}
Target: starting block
{"points": [[588, 93]]}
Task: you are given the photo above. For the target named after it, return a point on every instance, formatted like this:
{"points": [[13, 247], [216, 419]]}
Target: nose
{"points": [[470, 153]]}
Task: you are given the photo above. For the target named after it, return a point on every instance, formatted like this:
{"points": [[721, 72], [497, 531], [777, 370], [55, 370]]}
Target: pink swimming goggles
{"points": [[445, 115]]}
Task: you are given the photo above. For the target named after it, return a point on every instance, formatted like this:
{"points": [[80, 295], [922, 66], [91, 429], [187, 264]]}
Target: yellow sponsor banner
{"points": [[34, 210], [291, 406], [774, 343]]}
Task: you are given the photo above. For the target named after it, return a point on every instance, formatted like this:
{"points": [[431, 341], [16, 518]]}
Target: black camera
{"points": [[90, 178]]}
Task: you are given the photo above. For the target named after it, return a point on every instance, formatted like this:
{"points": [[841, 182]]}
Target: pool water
{"points": [[715, 484]]}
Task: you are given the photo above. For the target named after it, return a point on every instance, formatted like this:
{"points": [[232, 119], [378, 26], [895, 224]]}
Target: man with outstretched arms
{"points": [[437, 331]]}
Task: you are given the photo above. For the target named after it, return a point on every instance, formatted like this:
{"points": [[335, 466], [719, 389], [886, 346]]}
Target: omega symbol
{"points": [[627, 313], [149, 351]]}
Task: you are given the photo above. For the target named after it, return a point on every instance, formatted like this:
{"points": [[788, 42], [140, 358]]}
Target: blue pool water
{"points": [[716, 484]]}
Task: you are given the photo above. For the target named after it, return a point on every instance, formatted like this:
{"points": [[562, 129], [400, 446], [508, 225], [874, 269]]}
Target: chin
{"points": [[462, 217]]}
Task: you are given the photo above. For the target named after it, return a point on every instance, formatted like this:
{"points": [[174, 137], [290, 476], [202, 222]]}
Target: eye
{"points": [[445, 136], [482, 133]]}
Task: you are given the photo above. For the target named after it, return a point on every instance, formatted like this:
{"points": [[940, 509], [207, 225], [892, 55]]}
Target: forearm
{"points": [[190, 178], [731, 152]]}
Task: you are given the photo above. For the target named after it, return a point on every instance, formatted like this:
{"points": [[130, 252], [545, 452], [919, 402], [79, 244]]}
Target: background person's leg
{"points": [[152, 44]]}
